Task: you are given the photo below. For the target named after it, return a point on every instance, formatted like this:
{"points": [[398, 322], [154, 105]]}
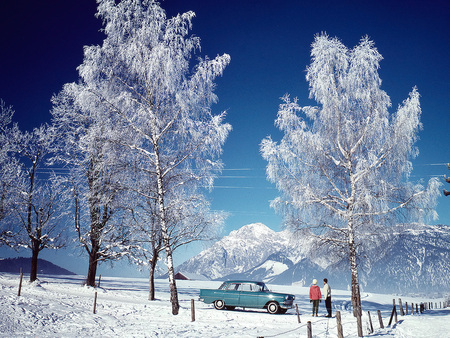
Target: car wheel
{"points": [[219, 304], [273, 307], [230, 307]]}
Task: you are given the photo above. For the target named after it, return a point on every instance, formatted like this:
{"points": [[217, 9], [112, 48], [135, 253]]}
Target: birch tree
{"points": [[343, 167], [144, 74]]}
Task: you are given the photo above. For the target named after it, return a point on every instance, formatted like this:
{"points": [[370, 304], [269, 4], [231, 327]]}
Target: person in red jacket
{"points": [[315, 296]]}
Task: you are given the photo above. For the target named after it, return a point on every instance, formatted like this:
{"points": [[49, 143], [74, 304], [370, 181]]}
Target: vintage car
{"points": [[247, 294]]}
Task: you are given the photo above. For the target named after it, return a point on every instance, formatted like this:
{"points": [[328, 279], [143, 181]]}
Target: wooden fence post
{"points": [[402, 313], [394, 313], [99, 280], [417, 308], [412, 308], [309, 329], [339, 324], [192, 311], [20, 283], [406, 307], [370, 322], [380, 319], [298, 315], [95, 302]]}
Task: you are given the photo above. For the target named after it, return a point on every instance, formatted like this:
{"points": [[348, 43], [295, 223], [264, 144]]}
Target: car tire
{"points": [[273, 307], [219, 304], [231, 308]]}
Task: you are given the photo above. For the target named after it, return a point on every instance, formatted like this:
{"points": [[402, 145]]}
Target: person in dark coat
{"points": [[315, 296], [327, 296]]}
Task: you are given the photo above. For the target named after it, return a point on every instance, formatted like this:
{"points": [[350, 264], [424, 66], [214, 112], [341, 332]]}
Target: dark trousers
{"points": [[328, 305], [315, 306]]}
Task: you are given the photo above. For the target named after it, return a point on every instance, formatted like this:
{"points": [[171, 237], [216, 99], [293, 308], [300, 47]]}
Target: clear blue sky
{"points": [[269, 42]]}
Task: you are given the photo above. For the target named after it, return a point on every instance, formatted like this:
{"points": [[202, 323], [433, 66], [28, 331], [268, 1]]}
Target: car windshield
{"points": [[223, 286]]}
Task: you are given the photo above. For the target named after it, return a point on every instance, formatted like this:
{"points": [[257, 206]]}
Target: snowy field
{"points": [[62, 307]]}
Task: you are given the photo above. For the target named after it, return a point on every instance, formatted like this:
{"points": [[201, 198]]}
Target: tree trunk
{"points": [[90, 280], [165, 233], [34, 262], [172, 282], [151, 279], [356, 296]]}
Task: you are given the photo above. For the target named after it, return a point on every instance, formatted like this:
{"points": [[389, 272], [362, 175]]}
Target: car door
{"points": [[248, 296], [231, 294]]}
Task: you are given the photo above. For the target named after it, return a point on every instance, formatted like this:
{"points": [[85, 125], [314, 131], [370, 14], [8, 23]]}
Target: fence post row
{"points": [[422, 306]]}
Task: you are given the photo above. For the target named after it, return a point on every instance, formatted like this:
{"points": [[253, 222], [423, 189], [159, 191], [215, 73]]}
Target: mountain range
{"points": [[411, 259]]}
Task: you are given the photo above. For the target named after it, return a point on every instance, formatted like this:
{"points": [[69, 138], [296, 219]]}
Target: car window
{"points": [[233, 286], [245, 287], [256, 287], [222, 286]]}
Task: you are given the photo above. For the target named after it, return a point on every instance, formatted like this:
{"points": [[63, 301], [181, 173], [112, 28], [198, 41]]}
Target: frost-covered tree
{"points": [[84, 147], [37, 208], [343, 167], [143, 73], [9, 168]]}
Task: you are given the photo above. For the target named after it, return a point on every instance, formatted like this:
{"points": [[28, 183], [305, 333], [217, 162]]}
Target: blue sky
{"points": [[269, 43]]}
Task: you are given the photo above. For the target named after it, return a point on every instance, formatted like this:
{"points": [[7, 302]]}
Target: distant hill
{"points": [[13, 265]]}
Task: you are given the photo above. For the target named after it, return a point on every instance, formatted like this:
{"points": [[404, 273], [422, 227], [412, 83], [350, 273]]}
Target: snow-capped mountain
{"points": [[414, 258], [238, 252]]}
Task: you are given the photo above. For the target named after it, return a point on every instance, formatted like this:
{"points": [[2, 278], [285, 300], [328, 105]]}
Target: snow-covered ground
{"points": [[62, 307]]}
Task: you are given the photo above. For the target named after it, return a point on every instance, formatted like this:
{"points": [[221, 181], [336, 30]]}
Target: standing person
{"points": [[327, 295], [314, 296]]}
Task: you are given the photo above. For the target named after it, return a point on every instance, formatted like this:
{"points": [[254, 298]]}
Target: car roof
{"points": [[244, 281]]}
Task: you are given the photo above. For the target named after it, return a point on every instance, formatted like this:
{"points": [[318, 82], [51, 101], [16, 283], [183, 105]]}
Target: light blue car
{"points": [[247, 294]]}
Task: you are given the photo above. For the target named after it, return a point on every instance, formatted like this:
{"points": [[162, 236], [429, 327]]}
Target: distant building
{"points": [[190, 276]]}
